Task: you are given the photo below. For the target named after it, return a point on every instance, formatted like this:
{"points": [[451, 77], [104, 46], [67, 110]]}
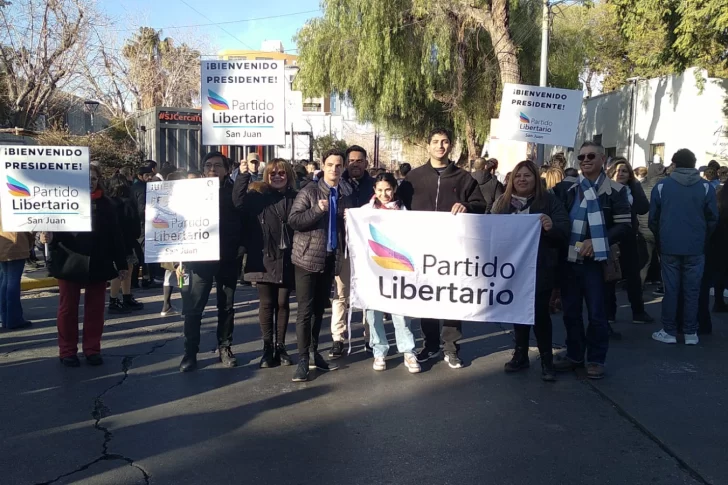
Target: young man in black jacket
{"points": [[488, 184], [225, 272], [317, 217], [441, 186], [362, 190]]}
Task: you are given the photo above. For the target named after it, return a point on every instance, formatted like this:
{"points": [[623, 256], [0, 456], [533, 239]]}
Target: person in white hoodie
{"points": [[385, 191]]}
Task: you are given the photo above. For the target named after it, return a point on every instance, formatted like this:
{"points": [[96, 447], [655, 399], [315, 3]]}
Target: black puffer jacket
{"points": [[425, 190], [128, 217], [104, 247], [312, 224], [362, 190], [552, 243], [489, 186], [139, 194], [265, 213]]}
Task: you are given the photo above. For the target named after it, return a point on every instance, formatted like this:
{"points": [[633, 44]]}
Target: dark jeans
{"points": [[452, 331], [629, 261], [11, 311], [541, 326], [585, 282], [313, 291], [273, 305], [682, 273], [195, 295]]}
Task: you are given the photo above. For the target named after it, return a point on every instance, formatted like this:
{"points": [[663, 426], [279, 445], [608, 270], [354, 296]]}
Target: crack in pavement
{"points": [[100, 411], [694, 474]]}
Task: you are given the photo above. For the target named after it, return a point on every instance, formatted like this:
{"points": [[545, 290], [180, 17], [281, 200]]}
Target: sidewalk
{"points": [[36, 278]]}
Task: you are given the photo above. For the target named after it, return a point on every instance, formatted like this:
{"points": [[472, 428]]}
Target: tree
{"points": [[408, 65], [322, 144], [41, 43]]}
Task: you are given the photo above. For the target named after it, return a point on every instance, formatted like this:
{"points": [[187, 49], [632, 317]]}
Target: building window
{"points": [[659, 150], [315, 107], [598, 139], [611, 152]]}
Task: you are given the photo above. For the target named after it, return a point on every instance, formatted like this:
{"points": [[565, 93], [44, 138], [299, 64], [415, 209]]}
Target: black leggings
{"points": [[273, 301], [541, 327]]}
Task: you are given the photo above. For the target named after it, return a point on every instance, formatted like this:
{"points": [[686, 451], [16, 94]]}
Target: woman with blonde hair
{"points": [[525, 194], [553, 176], [269, 242]]}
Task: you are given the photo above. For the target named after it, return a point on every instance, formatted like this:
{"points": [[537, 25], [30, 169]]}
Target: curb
{"points": [[37, 283]]}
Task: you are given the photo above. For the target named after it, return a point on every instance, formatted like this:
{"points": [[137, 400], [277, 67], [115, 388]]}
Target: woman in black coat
{"points": [[629, 259], [86, 260], [119, 193], [269, 242], [524, 194]]}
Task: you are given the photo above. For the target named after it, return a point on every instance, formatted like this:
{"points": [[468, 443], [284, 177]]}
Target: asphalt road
{"points": [[658, 418]]}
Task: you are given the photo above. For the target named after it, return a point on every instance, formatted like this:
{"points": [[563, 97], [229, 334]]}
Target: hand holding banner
{"points": [[436, 265]]}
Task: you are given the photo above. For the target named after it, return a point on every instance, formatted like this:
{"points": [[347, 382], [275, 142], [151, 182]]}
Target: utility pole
{"points": [[543, 79]]}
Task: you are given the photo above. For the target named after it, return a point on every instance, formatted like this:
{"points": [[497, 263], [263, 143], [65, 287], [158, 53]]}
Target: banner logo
{"points": [[159, 223], [524, 118], [17, 189], [217, 102], [386, 254]]}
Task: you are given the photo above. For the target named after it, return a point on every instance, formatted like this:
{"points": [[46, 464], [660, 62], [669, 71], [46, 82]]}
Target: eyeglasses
{"points": [[215, 166], [280, 173], [588, 156]]}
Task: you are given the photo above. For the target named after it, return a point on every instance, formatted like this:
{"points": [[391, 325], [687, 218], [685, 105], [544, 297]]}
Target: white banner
{"points": [[539, 115], [46, 188], [182, 221], [436, 265], [243, 103]]}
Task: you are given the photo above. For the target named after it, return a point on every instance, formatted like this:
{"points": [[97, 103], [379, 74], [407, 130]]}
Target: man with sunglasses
{"points": [[600, 216], [199, 275]]}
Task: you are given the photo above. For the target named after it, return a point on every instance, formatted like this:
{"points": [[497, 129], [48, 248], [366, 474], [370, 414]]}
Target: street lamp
{"points": [[91, 106], [291, 73]]}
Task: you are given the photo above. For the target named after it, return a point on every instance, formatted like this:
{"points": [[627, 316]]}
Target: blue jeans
{"points": [[685, 272], [585, 282], [378, 338], [11, 312]]}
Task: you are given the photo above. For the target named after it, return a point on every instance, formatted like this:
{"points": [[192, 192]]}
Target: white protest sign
{"points": [[436, 265], [243, 103], [182, 221], [45, 188], [539, 115]]}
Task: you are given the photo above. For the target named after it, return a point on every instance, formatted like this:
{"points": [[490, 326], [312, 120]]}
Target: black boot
{"points": [[267, 360], [132, 304], [519, 361], [548, 373], [117, 308], [189, 363], [281, 356]]}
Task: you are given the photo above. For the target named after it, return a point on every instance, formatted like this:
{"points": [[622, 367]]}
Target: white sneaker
{"points": [[172, 311], [410, 362], [665, 337], [691, 339], [379, 363]]}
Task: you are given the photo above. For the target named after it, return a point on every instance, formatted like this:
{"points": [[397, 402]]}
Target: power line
{"points": [[221, 28], [222, 23]]}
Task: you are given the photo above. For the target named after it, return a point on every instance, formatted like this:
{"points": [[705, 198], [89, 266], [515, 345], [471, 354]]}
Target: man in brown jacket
{"points": [[14, 250]]}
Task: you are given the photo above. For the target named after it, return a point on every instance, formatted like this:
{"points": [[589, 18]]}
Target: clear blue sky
{"points": [[239, 35]]}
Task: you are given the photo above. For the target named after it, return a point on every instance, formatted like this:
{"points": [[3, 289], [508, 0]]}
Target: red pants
{"points": [[93, 317]]}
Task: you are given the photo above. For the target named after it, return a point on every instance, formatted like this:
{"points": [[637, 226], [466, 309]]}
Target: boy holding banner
{"points": [[441, 186]]}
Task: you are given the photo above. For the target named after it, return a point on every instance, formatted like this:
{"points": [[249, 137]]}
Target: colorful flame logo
{"points": [[17, 189], [387, 254], [524, 118], [217, 102], [160, 223]]}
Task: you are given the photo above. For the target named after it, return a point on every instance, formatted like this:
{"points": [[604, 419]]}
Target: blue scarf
{"points": [[589, 216]]}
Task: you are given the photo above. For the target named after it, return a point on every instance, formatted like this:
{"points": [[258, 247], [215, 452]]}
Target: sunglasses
{"points": [[280, 173], [588, 156]]}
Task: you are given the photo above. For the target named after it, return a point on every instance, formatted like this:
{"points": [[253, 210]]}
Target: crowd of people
{"points": [[282, 229]]}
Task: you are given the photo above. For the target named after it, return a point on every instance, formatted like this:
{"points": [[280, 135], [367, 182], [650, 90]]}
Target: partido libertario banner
{"points": [[438, 265]]}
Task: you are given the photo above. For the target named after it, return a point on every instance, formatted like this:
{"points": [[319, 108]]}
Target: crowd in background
{"points": [[282, 230]]}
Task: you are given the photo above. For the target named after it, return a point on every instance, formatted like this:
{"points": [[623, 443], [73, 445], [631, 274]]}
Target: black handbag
{"points": [[66, 264]]}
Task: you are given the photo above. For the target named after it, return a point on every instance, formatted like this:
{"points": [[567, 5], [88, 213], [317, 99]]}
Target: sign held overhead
{"points": [[539, 115], [243, 103]]}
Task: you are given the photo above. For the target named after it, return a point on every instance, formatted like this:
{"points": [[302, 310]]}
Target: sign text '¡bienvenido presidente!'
{"points": [[43, 152], [397, 288]]}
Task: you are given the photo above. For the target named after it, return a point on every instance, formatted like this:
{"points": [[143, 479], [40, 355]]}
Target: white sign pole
{"points": [[182, 221], [45, 188], [549, 116], [243, 103]]}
